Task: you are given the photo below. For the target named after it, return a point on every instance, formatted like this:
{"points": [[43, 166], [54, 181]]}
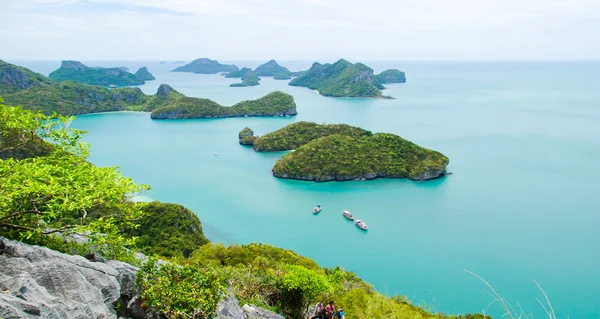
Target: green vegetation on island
{"points": [[391, 76], [271, 68], [77, 72], [297, 134], [206, 66], [20, 86], [62, 192], [248, 79], [144, 75], [246, 136], [342, 158], [238, 74], [341, 79], [181, 107], [325, 152]]}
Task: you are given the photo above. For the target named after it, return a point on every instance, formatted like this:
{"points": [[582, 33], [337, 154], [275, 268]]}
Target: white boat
{"points": [[317, 209], [348, 215], [361, 224]]}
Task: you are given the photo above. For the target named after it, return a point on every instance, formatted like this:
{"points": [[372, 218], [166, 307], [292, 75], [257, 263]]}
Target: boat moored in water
{"points": [[317, 209], [348, 215], [362, 225]]}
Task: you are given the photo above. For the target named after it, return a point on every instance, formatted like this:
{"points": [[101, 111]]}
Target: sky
{"points": [[300, 29]]}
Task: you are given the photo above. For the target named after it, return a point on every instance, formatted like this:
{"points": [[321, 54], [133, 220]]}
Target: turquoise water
{"points": [[523, 140]]}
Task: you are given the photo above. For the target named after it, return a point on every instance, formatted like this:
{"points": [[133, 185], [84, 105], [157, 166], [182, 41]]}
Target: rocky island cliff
{"points": [[391, 76], [78, 72], [342, 153]]}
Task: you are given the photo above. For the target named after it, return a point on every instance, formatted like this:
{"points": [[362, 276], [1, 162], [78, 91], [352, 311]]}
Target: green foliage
{"points": [[286, 282], [297, 134], [342, 157], [273, 104], [77, 72], [271, 68], [341, 79], [54, 193], [391, 76], [206, 66], [299, 287], [167, 230], [179, 292]]}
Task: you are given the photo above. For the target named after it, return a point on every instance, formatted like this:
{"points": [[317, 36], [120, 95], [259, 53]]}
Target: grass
{"points": [[509, 311]]}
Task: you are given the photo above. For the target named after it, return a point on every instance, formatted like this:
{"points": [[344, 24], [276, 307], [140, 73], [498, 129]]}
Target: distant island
{"points": [[78, 72], [162, 62], [176, 106], [33, 91], [248, 79], [144, 75], [342, 153], [271, 68], [391, 76], [238, 74], [341, 79], [178, 62], [206, 66]]}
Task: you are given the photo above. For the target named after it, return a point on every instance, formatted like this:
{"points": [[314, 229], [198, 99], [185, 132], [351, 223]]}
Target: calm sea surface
{"points": [[523, 140]]}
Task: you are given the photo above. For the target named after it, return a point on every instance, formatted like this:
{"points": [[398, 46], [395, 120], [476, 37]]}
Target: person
{"points": [[330, 310], [340, 314], [319, 312]]}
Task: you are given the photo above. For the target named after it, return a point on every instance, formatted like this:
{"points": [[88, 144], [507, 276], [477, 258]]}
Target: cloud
{"points": [[297, 29]]}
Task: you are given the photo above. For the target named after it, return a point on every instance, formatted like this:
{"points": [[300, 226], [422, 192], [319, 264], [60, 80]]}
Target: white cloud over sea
{"points": [[299, 29]]}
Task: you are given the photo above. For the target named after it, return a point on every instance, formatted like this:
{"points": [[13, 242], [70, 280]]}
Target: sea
{"points": [[522, 205]]}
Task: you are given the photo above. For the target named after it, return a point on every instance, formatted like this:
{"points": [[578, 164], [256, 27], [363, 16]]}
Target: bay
{"points": [[523, 141]]}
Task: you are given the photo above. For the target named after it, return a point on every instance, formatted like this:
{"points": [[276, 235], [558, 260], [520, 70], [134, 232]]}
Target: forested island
{"points": [[391, 76], [20, 86], [249, 78], [206, 66], [344, 79], [78, 72], [176, 106], [272, 68], [339, 152]]}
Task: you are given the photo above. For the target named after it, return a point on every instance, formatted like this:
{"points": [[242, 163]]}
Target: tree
{"points": [[52, 191], [299, 287], [179, 292]]}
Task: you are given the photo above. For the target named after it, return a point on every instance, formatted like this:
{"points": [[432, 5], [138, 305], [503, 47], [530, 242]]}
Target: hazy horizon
{"points": [[300, 30]]}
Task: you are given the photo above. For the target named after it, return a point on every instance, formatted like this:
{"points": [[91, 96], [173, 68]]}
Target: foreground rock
{"points": [[36, 282]]}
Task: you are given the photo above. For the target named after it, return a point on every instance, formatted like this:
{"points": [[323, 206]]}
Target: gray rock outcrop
{"points": [[37, 282]]}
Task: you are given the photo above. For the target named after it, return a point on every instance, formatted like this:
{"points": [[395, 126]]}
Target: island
{"points": [[144, 75], [206, 66], [327, 152], [391, 76], [238, 74], [341, 79], [271, 68], [177, 106], [162, 62], [78, 72], [178, 62], [33, 91], [282, 76], [246, 136], [248, 79]]}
